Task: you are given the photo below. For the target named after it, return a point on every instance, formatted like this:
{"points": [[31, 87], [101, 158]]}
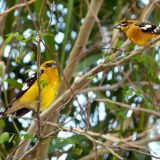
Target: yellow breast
{"points": [[49, 81], [49, 88]]}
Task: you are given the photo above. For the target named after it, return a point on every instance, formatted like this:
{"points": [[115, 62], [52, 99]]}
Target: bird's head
{"points": [[124, 24], [48, 64]]}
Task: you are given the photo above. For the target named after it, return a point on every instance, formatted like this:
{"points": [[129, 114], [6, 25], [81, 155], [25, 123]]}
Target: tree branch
{"points": [[16, 7]]}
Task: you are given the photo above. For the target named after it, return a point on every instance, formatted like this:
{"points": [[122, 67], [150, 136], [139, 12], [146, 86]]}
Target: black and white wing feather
{"points": [[149, 28], [26, 86]]}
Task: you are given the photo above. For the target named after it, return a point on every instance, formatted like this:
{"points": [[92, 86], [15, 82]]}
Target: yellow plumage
{"points": [[48, 79]]}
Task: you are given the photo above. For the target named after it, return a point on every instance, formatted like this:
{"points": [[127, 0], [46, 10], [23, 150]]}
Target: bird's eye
{"points": [[124, 23], [42, 71], [48, 64]]}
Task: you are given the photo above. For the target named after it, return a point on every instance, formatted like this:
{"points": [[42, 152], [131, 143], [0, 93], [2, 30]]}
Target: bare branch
{"points": [[16, 7]]}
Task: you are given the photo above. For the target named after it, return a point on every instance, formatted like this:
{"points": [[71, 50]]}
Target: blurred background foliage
{"points": [[135, 83]]}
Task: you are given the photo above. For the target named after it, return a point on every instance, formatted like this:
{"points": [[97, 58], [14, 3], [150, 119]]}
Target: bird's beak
{"points": [[118, 26], [54, 65]]}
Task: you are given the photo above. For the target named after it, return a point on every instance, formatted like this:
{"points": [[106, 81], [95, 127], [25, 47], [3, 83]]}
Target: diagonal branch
{"points": [[16, 7]]}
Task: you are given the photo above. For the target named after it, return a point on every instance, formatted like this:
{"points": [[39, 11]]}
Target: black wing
{"points": [[147, 27], [27, 85]]}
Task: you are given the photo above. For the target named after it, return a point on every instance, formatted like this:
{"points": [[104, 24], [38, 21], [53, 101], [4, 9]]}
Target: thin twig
{"points": [[16, 7], [129, 107]]}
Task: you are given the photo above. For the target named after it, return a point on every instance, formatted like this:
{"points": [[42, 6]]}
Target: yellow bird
{"points": [[139, 33], [26, 99]]}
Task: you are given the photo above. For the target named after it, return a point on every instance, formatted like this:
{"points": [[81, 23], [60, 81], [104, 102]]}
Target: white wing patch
{"points": [[32, 76], [144, 28], [25, 87], [147, 26]]}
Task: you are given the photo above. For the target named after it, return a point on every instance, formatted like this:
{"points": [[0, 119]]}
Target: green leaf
{"points": [[2, 123], [78, 151], [4, 137], [26, 40], [108, 58], [2, 69], [37, 6], [139, 93], [11, 138], [34, 39], [139, 156], [27, 136], [14, 83], [129, 92], [49, 42], [122, 115], [43, 83], [9, 38], [148, 104], [18, 36], [60, 143]]}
